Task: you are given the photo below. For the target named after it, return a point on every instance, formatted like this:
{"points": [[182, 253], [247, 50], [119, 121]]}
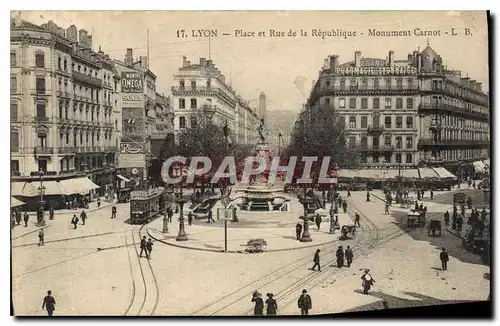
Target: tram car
{"points": [[146, 205]]}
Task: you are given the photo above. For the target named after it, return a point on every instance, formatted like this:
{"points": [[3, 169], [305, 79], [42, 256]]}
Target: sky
{"points": [[284, 68]]}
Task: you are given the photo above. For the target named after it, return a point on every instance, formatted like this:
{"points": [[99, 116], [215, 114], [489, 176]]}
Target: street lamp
{"points": [[41, 192], [165, 217], [306, 237], [181, 236]]}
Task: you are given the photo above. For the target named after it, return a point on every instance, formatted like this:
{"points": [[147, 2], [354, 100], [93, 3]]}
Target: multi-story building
{"points": [[203, 85], [61, 113], [406, 113]]}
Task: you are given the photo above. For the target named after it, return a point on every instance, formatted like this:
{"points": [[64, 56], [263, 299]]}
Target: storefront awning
{"points": [[123, 178], [15, 202], [410, 174], [77, 186], [428, 173], [391, 174], [443, 173], [51, 187], [487, 163], [479, 166], [25, 189], [345, 173]]}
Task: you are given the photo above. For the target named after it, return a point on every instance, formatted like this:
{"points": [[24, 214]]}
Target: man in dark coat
{"points": [[83, 216], [367, 195], [113, 212], [51, 212], [340, 257], [149, 248], [316, 261], [170, 214], [318, 221], [190, 218], [26, 219], [444, 259], [143, 246], [356, 220], [298, 230], [18, 217], [49, 303], [40, 238], [74, 221], [446, 218], [304, 303], [344, 206], [349, 256], [432, 194]]}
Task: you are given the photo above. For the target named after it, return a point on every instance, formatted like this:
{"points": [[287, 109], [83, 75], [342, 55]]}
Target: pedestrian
{"points": [[98, 202], [18, 217], [356, 220], [460, 222], [344, 206], [51, 212], [83, 216], [40, 237], [258, 309], [416, 205], [340, 257], [387, 209], [316, 261], [298, 230], [446, 218], [170, 214], [337, 226], [49, 303], [190, 218], [26, 219], [210, 218], [367, 195], [348, 193], [318, 221], [113, 212], [349, 256], [143, 246], [367, 281], [149, 247], [74, 221], [444, 259], [271, 305], [304, 303], [432, 194]]}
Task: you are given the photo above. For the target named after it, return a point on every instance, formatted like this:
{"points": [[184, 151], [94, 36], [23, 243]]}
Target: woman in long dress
{"points": [[367, 281], [271, 305]]}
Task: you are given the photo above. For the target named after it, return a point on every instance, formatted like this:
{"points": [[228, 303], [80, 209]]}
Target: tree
{"points": [[321, 132]]}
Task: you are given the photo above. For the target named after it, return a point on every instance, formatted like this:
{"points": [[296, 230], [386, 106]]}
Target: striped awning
{"points": [[410, 174], [51, 187], [391, 174], [443, 173], [25, 189], [427, 173], [15, 202], [77, 186], [479, 166]]}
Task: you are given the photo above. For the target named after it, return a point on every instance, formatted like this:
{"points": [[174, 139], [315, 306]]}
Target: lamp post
{"points": [[279, 144], [306, 237], [165, 217], [41, 192], [181, 236]]}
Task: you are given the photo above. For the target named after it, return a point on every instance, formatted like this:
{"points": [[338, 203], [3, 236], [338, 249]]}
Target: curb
{"points": [[239, 251], [66, 239], [36, 230]]}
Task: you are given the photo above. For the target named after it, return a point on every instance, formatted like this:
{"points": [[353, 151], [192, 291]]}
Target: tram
{"points": [[146, 204]]}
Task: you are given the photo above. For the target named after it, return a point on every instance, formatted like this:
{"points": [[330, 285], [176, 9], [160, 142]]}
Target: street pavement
{"points": [[177, 281]]}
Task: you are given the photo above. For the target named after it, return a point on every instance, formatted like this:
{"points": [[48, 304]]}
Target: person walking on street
{"points": [[387, 209], [210, 218], [18, 217], [143, 246], [26, 219], [349, 256], [304, 303], [444, 259], [344, 206], [190, 218], [316, 261], [271, 305], [98, 202], [367, 195], [356, 220], [348, 192], [367, 281], [446, 218], [340, 257], [49, 303], [298, 230], [318, 221], [51, 212], [40, 237], [113, 212], [432, 194], [83, 216], [149, 248], [170, 214], [258, 309], [74, 221]]}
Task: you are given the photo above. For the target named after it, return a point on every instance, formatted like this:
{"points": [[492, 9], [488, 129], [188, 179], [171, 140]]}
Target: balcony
{"points": [[446, 108], [41, 119], [382, 89], [63, 94], [64, 72], [424, 142], [87, 79], [376, 129], [435, 126], [65, 150], [376, 148], [44, 150], [479, 100]]}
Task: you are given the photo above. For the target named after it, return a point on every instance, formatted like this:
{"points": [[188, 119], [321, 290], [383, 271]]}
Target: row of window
{"points": [[388, 82], [459, 154], [387, 142], [39, 59], [376, 122], [386, 159], [64, 138], [363, 103], [193, 102], [182, 84]]}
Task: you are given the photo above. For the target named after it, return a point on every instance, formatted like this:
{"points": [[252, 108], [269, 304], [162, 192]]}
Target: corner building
{"points": [[407, 113]]}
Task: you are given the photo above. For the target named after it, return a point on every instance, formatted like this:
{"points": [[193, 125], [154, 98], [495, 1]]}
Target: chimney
{"points": [[419, 61], [144, 62], [72, 33], [357, 59], [184, 62], [129, 58], [391, 58], [333, 62]]}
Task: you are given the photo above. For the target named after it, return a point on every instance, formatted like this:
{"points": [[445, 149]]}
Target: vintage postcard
{"points": [[276, 163]]}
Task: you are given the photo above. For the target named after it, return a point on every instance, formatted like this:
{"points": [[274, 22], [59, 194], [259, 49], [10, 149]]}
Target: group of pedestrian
{"points": [[340, 255], [75, 219], [271, 304], [146, 247]]}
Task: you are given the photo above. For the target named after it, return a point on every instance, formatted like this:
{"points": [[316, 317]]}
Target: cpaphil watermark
{"points": [[309, 168]]}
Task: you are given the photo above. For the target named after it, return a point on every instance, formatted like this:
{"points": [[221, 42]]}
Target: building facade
{"points": [[62, 111], [203, 85], [407, 113]]}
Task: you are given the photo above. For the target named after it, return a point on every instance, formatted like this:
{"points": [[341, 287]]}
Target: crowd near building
{"points": [[406, 113], [85, 124]]}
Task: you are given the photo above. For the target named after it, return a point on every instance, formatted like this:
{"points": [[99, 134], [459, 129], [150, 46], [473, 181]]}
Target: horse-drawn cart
{"points": [[256, 245], [348, 232]]}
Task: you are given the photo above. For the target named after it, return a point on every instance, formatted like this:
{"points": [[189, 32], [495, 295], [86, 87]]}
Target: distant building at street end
{"points": [[200, 86], [404, 113]]}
